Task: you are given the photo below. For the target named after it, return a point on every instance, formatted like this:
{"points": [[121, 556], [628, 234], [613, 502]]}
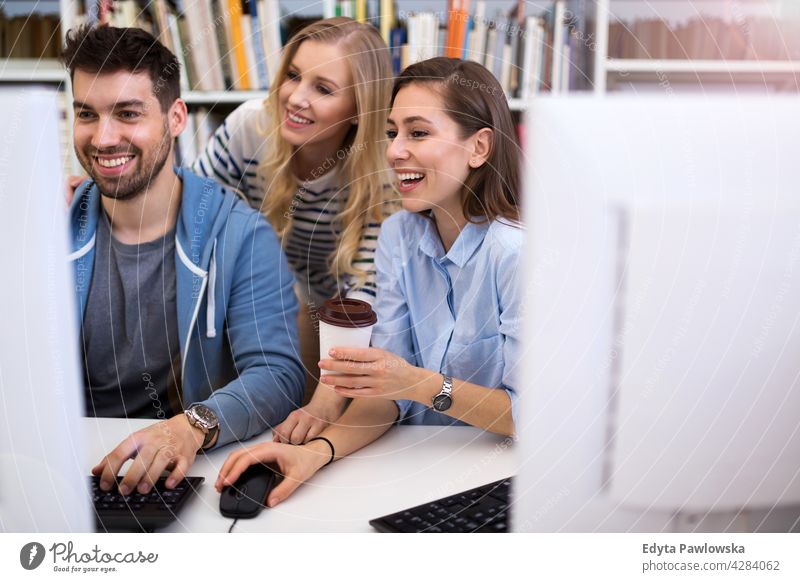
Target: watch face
{"points": [[205, 415], [442, 402]]}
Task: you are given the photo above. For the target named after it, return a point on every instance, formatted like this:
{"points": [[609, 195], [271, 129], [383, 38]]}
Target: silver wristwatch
{"points": [[444, 399], [205, 419]]}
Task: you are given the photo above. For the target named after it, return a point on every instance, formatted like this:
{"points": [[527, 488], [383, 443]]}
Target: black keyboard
{"points": [[483, 510], [136, 512]]}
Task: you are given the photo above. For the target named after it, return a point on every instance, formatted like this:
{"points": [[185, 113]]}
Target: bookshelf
{"points": [[611, 71], [73, 12]]}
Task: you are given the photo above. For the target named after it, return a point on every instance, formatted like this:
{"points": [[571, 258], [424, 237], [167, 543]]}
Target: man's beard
{"points": [[131, 186]]}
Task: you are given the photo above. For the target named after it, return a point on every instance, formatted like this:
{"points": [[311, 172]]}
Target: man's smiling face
{"points": [[121, 135]]}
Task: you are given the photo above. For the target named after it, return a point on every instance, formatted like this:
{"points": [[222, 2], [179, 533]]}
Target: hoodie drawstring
{"points": [[211, 329]]}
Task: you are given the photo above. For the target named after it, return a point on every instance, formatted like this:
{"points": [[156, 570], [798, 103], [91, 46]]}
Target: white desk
{"points": [[407, 466]]}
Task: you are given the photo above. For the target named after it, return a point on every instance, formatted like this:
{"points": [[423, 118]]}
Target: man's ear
{"points": [[176, 117], [481, 147]]}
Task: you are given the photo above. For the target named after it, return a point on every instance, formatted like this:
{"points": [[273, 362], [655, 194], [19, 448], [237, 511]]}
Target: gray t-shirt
{"points": [[131, 351]]}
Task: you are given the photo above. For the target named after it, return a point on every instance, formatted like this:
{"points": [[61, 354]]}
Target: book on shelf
{"points": [[224, 42], [706, 38], [202, 47], [33, 36], [270, 15], [386, 18], [457, 19], [559, 45], [259, 47]]}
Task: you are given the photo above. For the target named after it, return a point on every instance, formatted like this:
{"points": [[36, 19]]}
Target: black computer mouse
{"points": [[247, 497]]}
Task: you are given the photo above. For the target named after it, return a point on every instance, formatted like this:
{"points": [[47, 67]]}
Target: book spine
{"points": [[558, 46], [238, 47], [361, 10], [180, 53], [387, 19], [273, 34], [258, 46]]}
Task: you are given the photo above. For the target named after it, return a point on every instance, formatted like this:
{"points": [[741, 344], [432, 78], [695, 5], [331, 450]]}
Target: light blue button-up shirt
{"points": [[458, 312]]}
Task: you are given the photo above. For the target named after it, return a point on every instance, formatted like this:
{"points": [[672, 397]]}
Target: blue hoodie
{"points": [[236, 307]]}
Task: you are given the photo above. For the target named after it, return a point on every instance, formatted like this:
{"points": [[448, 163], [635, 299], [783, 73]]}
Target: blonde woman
{"points": [[312, 158]]}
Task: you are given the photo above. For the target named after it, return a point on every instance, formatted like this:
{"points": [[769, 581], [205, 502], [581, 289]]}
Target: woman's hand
{"points": [[296, 464], [360, 372], [307, 422]]}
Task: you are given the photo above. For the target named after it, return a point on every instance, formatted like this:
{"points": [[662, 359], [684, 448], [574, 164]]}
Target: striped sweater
{"points": [[233, 155]]}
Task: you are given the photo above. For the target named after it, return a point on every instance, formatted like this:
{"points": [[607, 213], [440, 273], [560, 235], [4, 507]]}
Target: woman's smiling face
{"points": [[427, 152], [317, 99]]}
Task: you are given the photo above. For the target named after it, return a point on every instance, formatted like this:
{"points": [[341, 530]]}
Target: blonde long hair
{"points": [[363, 167]]}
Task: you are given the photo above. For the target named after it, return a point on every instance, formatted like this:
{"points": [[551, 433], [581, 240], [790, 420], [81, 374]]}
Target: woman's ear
{"points": [[481, 147]]}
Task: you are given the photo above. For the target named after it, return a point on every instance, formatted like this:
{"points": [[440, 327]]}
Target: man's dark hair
{"points": [[107, 49]]}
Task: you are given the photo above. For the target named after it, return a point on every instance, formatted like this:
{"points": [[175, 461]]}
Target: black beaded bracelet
{"points": [[330, 444]]}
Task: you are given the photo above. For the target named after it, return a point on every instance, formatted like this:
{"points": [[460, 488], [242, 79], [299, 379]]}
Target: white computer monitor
{"points": [[662, 348], [43, 479]]}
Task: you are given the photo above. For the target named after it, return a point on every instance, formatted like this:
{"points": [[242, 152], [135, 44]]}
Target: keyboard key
{"points": [[457, 508]]}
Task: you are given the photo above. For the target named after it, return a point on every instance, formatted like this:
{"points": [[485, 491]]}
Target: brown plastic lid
{"points": [[347, 313]]}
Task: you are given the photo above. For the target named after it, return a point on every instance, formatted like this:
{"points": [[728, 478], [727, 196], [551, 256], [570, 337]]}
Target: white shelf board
{"points": [[701, 66], [227, 97], [234, 97], [32, 71]]}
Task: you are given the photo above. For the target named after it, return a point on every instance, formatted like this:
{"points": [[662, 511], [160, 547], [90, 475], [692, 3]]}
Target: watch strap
{"points": [[210, 434]]}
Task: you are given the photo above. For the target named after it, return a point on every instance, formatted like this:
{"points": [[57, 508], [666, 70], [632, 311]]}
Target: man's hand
{"points": [[307, 422], [171, 444], [72, 184]]}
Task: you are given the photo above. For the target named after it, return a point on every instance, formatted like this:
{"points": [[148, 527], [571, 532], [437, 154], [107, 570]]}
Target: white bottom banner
{"points": [[354, 557]]}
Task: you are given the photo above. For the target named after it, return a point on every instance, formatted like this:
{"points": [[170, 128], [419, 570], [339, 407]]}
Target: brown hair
{"points": [[474, 100], [107, 49], [363, 169]]}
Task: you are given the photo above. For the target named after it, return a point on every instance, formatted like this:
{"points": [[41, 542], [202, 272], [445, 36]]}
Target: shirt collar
{"points": [[466, 244]]}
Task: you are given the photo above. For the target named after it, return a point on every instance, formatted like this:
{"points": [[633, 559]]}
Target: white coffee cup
{"points": [[344, 323]]}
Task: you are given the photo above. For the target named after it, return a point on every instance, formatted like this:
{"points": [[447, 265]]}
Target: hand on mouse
{"points": [[171, 444], [296, 464]]}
